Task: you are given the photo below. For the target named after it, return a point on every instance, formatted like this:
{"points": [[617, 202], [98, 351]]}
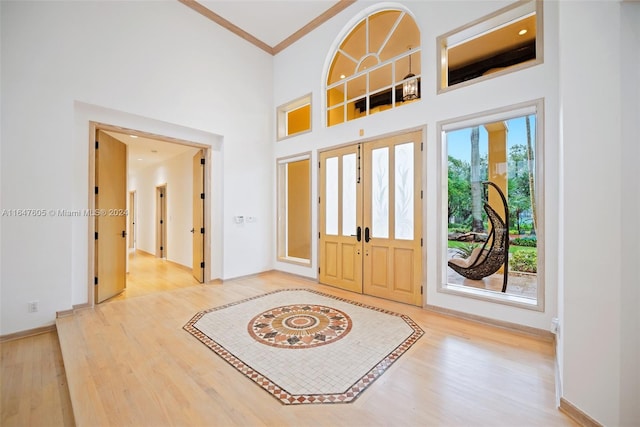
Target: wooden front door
{"points": [[110, 218], [371, 218], [340, 219]]}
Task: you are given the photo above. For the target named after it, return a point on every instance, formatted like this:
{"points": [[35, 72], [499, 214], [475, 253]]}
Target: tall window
{"points": [[494, 226], [294, 210], [376, 67]]}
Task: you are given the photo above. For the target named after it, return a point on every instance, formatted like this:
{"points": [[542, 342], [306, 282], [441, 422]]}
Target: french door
{"points": [[371, 218]]}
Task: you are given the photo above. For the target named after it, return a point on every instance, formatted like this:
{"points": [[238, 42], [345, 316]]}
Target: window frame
{"points": [[282, 114], [282, 210], [482, 26], [506, 113]]}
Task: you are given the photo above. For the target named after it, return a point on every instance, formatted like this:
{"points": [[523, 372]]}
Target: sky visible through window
{"points": [[459, 141]]}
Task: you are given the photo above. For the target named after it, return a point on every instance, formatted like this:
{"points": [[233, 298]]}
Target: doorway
{"points": [[371, 218], [156, 198]]}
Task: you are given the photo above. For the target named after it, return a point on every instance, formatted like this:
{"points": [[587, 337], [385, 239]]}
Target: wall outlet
{"points": [[32, 306], [555, 326]]}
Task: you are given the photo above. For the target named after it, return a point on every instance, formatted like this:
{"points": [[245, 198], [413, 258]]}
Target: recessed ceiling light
{"points": [[140, 159], [154, 151], [133, 136], [522, 32], [342, 76]]}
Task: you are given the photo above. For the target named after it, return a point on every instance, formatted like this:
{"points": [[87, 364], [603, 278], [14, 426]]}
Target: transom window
{"points": [[376, 67]]}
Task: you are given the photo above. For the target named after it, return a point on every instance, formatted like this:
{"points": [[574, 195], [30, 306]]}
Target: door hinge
{"points": [[202, 161], [421, 290], [318, 200], [97, 144], [421, 241], [318, 270], [202, 264], [96, 235], [202, 196], [162, 248], [202, 230], [422, 146], [318, 165], [95, 280], [421, 194], [96, 189], [161, 222], [318, 234]]}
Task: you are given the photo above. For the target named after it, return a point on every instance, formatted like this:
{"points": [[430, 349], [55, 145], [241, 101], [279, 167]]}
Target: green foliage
{"points": [[465, 249], [525, 261], [458, 228], [459, 189], [531, 242]]}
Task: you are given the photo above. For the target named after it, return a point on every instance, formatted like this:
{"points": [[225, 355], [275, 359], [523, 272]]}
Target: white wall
{"points": [[630, 189], [300, 69], [64, 63], [176, 174], [599, 75], [590, 85]]}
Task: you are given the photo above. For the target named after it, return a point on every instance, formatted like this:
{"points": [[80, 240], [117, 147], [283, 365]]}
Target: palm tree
{"points": [[532, 193], [476, 186]]}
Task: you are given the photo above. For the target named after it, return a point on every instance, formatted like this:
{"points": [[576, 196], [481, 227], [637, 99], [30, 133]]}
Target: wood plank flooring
{"points": [[130, 363], [148, 274], [34, 386]]}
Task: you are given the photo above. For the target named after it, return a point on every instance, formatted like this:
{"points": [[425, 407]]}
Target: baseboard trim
{"points": [[576, 414], [313, 280], [540, 334], [72, 311], [64, 313], [28, 333]]}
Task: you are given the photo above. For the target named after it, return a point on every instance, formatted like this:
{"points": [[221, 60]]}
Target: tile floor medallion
{"points": [[303, 346]]}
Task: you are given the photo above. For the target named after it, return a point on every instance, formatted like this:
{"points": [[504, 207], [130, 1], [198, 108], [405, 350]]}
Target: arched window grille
{"points": [[376, 67]]}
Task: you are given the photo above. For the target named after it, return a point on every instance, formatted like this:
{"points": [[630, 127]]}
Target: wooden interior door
{"points": [[110, 219], [132, 220], [198, 217], [393, 218], [340, 217], [161, 221]]}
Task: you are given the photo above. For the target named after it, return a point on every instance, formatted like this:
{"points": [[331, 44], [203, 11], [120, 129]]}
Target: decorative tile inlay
{"points": [[299, 326], [257, 340]]}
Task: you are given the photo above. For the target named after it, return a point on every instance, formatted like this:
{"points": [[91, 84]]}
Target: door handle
{"points": [[359, 233], [366, 235], [193, 230]]}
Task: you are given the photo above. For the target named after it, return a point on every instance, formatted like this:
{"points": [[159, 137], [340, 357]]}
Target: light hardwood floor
{"points": [[129, 363], [34, 386], [148, 274]]}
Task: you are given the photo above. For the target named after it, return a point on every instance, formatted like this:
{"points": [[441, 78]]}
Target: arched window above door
{"points": [[376, 67]]}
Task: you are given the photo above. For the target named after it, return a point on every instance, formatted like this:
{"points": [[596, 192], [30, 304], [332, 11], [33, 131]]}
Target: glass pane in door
{"points": [[404, 191], [349, 195], [331, 193], [380, 193]]}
